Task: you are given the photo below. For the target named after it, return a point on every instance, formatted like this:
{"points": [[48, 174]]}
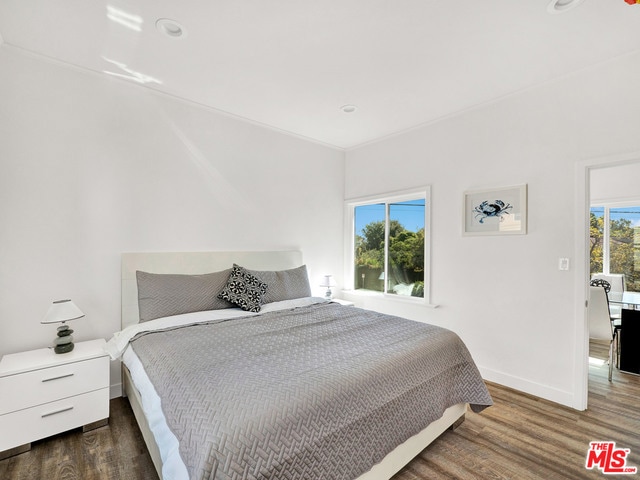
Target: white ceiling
{"points": [[291, 64]]}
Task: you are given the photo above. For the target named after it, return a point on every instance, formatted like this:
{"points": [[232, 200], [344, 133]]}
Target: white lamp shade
{"points": [[62, 311], [327, 281]]}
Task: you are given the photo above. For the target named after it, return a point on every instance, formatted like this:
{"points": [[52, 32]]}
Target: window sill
{"points": [[370, 294]]}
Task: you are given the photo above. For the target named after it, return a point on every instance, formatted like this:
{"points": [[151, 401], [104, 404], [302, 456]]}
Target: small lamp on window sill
{"points": [[62, 311], [328, 282]]}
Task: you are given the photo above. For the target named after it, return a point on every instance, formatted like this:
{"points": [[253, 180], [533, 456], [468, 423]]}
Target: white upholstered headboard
{"points": [[192, 263]]}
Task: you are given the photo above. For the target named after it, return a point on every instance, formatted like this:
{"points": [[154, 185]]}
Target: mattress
{"points": [[304, 389], [173, 467]]}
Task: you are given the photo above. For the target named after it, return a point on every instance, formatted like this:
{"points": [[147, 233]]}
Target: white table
{"points": [[630, 300]]}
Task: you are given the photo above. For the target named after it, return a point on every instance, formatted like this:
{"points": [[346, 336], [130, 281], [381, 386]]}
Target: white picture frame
{"points": [[495, 211]]}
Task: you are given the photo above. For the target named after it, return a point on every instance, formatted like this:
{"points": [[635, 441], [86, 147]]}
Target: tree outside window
{"points": [[622, 243], [389, 243]]}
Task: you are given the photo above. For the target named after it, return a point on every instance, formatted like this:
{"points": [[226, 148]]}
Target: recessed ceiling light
{"points": [[561, 6], [171, 28], [348, 108]]}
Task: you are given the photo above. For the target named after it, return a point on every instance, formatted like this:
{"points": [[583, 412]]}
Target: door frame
{"points": [[582, 269]]}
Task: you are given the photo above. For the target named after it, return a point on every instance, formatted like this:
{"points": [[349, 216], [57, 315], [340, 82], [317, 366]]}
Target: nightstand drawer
{"points": [[45, 385], [25, 426]]}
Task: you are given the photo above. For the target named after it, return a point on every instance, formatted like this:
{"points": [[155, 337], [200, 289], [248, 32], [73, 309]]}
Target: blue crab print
{"points": [[496, 209]]}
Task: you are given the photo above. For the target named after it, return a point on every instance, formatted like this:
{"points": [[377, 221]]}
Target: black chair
{"points": [[599, 282]]}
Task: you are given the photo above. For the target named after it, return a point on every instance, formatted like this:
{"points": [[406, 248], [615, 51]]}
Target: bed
{"points": [[301, 388]]}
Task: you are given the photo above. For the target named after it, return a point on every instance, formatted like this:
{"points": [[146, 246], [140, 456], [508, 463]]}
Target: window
{"points": [[615, 242], [390, 241]]}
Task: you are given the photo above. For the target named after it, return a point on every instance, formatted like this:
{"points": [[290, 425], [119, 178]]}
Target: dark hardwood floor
{"points": [[524, 437], [520, 437], [114, 452]]}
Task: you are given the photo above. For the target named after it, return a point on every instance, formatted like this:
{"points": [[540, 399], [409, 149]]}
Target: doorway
{"points": [[620, 172]]}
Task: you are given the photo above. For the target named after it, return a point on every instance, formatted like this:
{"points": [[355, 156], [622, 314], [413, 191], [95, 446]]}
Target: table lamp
{"points": [[60, 312], [327, 281]]}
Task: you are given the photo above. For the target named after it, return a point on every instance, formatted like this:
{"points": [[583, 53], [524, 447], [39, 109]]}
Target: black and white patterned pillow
{"points": [[244, 289]]}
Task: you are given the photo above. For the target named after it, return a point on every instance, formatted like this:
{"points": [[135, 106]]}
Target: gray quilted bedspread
{"points": [[318, 392]]}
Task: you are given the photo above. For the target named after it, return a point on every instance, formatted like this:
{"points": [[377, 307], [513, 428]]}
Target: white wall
{"points": [[505, 295], [619, 183], [91, 167]]}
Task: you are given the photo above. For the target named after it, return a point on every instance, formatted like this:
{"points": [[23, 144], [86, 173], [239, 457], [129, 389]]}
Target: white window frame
{"points": [[606, 231], [400, 196]]}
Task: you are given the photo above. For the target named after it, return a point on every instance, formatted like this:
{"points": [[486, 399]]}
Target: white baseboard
{"points": [[115, 390], [563, 397]]}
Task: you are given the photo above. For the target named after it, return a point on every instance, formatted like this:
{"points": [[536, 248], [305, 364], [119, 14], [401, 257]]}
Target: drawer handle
{"points": [[56, 412], [57, 378]]}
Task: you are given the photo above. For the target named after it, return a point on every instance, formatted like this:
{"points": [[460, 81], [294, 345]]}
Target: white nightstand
{"points": [[44, 393]]}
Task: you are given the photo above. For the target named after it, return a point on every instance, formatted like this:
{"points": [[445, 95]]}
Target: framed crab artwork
{"points": [[496, 211]]}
